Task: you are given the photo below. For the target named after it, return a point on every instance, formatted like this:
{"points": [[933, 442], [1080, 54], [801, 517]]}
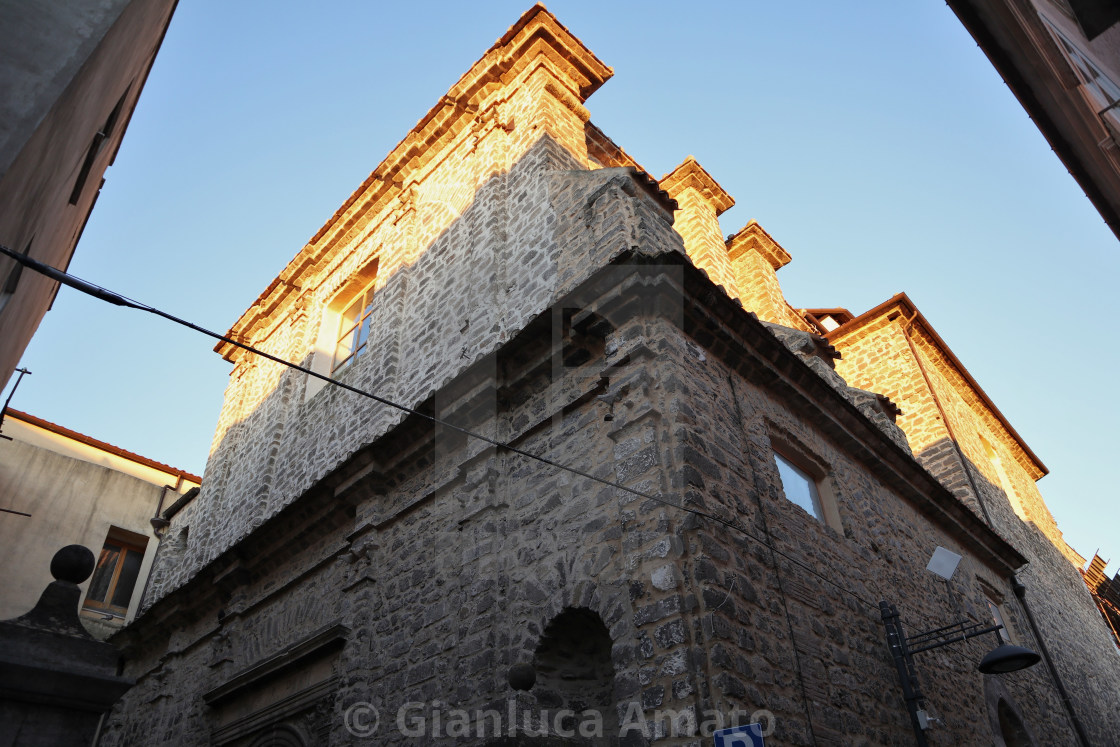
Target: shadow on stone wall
{"points": [[1068, 622], [498, 265], [56, 680]]}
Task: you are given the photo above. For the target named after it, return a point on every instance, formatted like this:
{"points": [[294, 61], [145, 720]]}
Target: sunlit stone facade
{"points": [[534, 285]]}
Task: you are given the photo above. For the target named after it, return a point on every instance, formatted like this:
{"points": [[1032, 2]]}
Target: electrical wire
{"points": [[117, 299], [778, 576]]}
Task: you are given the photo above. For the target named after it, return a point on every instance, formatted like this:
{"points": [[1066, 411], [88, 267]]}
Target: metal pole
{"points": [[904, 663], [8, 401]]}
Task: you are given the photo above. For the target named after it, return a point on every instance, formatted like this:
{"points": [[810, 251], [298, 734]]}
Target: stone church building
{"points": [[634, 496]]}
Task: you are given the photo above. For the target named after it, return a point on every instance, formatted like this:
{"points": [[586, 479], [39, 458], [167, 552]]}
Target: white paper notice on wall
{"points": [[944, 562]]}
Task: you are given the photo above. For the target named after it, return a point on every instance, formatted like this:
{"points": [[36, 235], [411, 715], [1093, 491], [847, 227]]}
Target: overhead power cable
{"points": [[117, 299]]}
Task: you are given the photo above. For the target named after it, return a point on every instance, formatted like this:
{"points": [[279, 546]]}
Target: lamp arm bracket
{"points": [[966, 632]]}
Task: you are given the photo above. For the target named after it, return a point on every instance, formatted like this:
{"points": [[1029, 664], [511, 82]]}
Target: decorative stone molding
{"points": [[691, 175], [536, 41], [754, 238]]}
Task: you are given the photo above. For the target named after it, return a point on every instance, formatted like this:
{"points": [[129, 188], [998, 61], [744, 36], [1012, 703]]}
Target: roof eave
{"points": [[903, 301]]}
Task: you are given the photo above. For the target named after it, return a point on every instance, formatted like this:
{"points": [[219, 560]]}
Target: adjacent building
{"points": [[1061, 59], [591, 477], [961, 437], [71, 75], [1106, 593], [59, 487]]}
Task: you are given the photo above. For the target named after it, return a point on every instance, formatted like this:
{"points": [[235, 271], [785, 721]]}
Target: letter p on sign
{"points": [[749, 735]]}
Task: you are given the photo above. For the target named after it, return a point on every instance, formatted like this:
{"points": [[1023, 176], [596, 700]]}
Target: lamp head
{"points": [[1008, 658]]}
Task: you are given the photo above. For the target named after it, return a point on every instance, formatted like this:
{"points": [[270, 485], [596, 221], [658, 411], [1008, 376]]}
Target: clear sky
{"points": [[873, 140]]}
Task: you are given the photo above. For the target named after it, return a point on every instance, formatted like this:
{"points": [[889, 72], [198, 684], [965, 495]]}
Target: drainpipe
{"points": [[1016, 585], [1021, 593], [160, 524], [944, 417]]}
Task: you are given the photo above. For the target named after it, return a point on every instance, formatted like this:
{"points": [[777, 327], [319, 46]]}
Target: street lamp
{"points": [[1004, 658]]}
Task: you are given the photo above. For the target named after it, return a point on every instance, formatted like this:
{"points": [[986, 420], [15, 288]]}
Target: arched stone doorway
{"points": [[575, 671]]}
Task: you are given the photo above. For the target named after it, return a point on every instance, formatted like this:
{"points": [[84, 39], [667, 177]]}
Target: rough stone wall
{"points": [[878, 358], [452, 305], [740, 264], [823, 653], [757, 286], [444, 560], [438, 562], [172, 554], [465, 254], [1070, 623], [696, 222], [449, 577]]}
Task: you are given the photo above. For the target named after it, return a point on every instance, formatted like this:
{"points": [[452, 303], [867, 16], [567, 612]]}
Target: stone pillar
{"points": [[56, 680], [755, 258], [700, 201]]}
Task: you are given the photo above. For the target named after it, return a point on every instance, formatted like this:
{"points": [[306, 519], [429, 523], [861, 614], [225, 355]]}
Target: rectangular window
{"points": [[997, 618], [799, 486], [117, 571], [804, 478], [353, 330]]}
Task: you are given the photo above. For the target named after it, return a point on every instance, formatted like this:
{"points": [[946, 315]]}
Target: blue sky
{"points": [[873, 140]]}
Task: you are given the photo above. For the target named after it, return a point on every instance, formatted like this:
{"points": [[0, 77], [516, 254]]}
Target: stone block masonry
{"points": [[960, 436], [457, 221], [439, 563], [351, 573]]}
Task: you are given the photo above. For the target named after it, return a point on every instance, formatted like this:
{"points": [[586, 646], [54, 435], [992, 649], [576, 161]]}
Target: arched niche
{"points": [[1009, 726], [574, 668]]}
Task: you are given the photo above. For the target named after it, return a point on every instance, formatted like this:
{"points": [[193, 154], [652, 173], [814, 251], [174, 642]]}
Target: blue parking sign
{"points": [[749, 735]]}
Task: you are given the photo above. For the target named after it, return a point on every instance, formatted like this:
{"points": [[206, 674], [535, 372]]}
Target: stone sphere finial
{"points": [[73, 563]]}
